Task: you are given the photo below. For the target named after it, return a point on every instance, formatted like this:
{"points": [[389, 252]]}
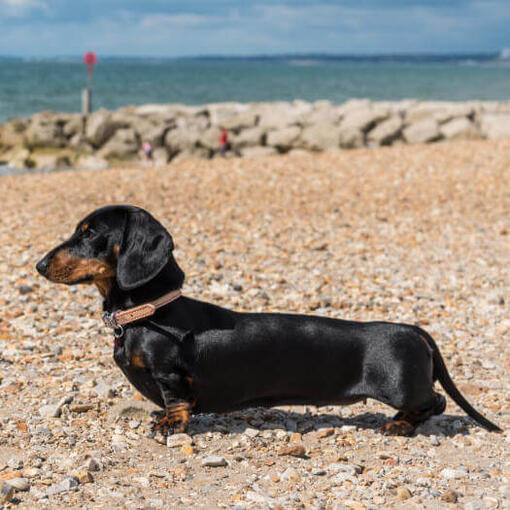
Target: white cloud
{"points": [[177, 20], [20, 8]]}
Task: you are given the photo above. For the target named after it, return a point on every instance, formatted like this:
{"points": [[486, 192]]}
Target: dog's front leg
{"points": [[176, 393]]}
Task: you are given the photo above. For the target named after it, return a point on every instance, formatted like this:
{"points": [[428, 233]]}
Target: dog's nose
{"points": [[42, 266]]}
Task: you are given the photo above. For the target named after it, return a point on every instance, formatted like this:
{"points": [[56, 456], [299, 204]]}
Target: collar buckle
{"points": [[109, 320]]}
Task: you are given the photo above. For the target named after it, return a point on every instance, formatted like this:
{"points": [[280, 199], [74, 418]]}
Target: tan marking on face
{"points": [[64, 268], [137, 360], [116, 249], [84, 227]]}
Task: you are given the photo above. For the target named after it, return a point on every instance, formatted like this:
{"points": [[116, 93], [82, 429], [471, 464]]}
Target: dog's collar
{"points": [[115, 320]]}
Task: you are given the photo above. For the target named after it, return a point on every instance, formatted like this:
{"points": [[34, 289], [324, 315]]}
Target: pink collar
{"points": [[116, 320]]}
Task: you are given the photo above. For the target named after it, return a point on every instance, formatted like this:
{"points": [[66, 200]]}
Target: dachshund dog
{"points": [[188, 356]]}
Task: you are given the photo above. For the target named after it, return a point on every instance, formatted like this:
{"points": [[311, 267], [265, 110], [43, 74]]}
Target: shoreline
{"points": [[48, 140]]}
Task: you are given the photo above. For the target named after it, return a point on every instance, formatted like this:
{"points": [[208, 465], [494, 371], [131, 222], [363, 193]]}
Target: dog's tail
{"points": [[442, 375]]}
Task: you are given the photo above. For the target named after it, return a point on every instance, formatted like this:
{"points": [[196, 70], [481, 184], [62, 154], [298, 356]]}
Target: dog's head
{"points": [[117, 242]]}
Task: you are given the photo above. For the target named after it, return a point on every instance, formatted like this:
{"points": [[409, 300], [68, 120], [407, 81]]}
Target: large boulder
{"points": [[219, 112], [73, 126], [247, 138], [364, 119], [283, 139], [240, 121], [460, 128], [50, 161], [422, 131], [323, 111], [100, 127], [350, 138], [196, 153], [16, 157], [257, 152], [320, 137], [45, 130], [279, 115], [151, 131], [13, 132], [181, 139], [92, 162], [210, 138], [122, 145], [495, 125], [387, 131]]}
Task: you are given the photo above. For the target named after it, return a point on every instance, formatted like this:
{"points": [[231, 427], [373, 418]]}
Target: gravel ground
{"points": [[415, 234]]}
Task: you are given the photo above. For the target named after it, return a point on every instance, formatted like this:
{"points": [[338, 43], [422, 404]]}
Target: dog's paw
{"points": [[397, 428]]}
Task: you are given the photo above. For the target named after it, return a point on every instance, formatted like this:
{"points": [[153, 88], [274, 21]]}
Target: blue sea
{"points": [[28, 86]]}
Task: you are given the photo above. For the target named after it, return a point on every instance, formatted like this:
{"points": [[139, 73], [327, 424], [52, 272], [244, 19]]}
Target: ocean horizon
{"points": [[32, 84]]}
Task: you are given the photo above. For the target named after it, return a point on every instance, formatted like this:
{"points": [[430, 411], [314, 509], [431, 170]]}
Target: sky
{"points": [[168, 28]]}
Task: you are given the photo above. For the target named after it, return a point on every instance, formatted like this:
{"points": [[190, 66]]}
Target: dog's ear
{"points": [[145, 249]]}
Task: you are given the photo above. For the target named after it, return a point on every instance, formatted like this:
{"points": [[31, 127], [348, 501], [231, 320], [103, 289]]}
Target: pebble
{"points": [[15, 463], [290, 474], [20, 484], [250, 432], [214, 461], [6, 492], [176, 440], [403, 493], [449, 496], [297, 450], [452, 474], [50, 411], [66, 485]]}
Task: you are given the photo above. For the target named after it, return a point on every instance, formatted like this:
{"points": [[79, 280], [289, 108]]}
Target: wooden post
{"points": [[86, 101]]}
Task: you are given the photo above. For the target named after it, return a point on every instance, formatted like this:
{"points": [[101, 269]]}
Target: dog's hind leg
{"points": [[405, 422]]}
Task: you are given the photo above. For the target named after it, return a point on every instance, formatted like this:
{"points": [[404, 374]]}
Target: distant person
{"points": [[147, 150], [224, 143]]}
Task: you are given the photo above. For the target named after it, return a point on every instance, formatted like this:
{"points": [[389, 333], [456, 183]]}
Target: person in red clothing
{"points": [[224, 144]]}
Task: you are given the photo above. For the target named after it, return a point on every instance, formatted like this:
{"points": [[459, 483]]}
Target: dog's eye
{"points": [[89, 233]]}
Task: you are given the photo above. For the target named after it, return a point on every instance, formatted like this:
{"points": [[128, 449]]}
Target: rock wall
{"points": [[52, 140]]}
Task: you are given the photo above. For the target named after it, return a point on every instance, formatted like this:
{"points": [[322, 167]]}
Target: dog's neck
{"points": [[170, 278]]}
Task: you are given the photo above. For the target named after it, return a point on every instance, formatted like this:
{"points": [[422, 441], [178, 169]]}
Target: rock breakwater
{"points": [[50, 140]]}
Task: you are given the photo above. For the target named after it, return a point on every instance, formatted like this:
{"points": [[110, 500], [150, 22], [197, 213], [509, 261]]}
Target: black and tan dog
{"points": [[189, 356]]}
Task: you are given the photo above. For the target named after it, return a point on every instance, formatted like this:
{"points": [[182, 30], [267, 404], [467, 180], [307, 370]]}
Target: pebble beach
{"points": [[417, 234]]}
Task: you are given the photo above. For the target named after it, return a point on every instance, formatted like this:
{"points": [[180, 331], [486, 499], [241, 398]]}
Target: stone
{"points": [[214, 461], [152, 132], [210, 138], [460, 128], [66, 485], [283, 138], [15, 463], [290, 474], [320, 137], [386, 132], [160, 156], [17, 157], [449, 496], [350, 138], [92, 162], [250, 432], [19, 484], [297, 450], [196, 153], [494, 125], [74, 125], [364, 119], [123, 144], [176, 440], [92, 464], [181, 139], [49, 161], [257, 152], [421, 132], [50, 411], [187, 449], [240, 121], [6, 492], [452, 474], [323, 433], [279, 115], [100, 126], [403, 493], [45, 130], [84, 476], [247, 138], [12, 133]]}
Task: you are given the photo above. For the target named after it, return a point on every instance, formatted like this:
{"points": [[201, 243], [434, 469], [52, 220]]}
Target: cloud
{"points": [[199, 27], [20, 8]]}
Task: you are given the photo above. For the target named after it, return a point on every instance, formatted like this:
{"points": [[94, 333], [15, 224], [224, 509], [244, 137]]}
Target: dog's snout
{"points": [[42, 266]]}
